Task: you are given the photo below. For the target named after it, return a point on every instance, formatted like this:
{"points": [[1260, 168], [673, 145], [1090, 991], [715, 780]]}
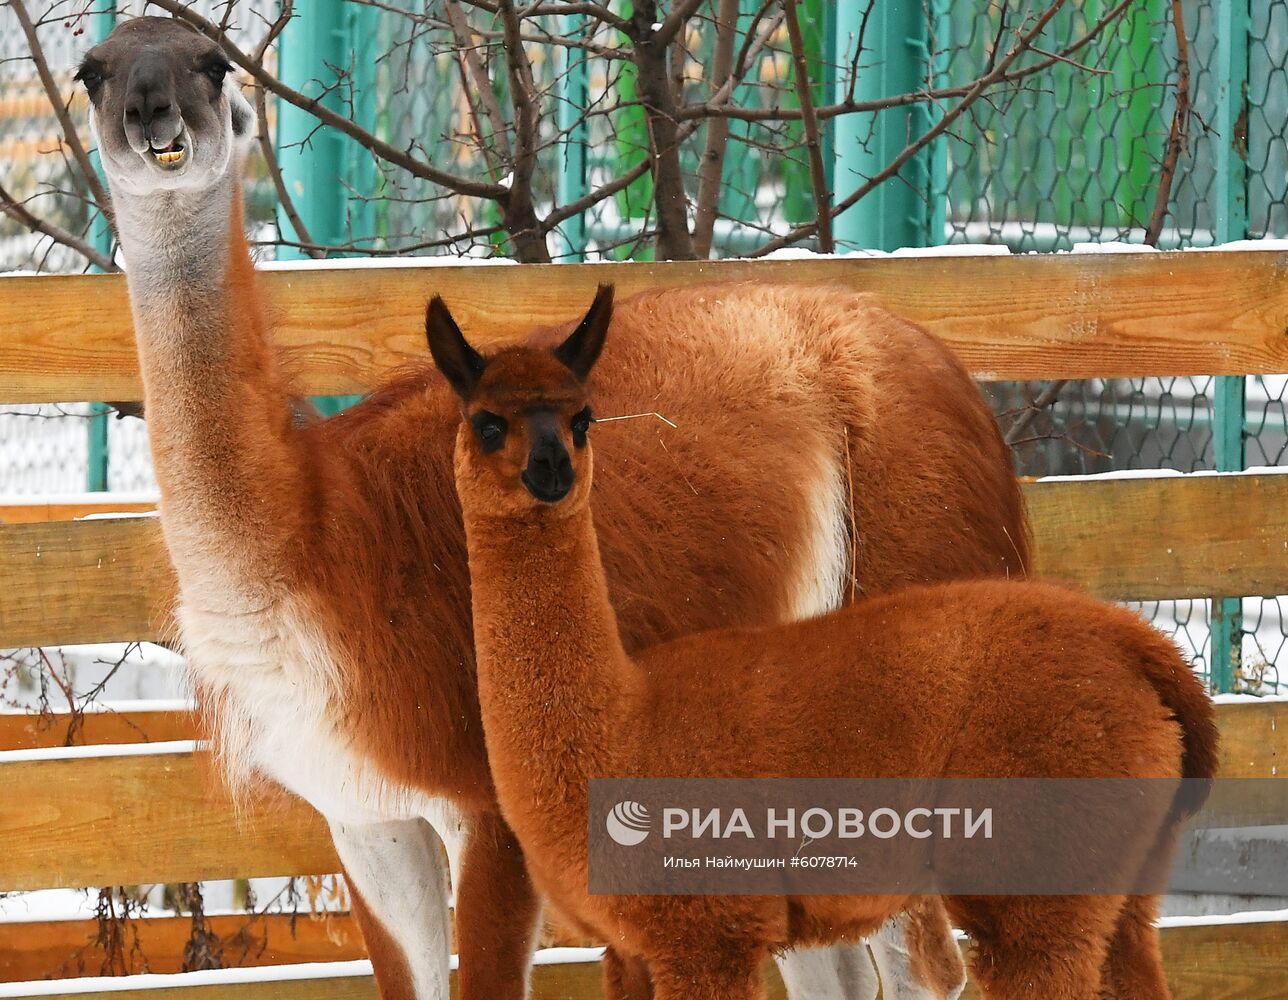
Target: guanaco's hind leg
{"points": [[1025, 947], [497, 914], [838, 972], [917, 955], [398, 888], [1134, 967]]}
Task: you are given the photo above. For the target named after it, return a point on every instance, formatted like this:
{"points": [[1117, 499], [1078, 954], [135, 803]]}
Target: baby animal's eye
{"points": [[490, 430], [580, 426]]}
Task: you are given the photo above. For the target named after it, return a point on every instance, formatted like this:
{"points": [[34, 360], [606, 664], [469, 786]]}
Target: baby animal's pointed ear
{"points": [[581, 350], [460, 364]]}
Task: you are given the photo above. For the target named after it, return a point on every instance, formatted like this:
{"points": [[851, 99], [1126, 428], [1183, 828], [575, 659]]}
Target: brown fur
{"points": [[355, 518], [696, 534], [981, 679]]}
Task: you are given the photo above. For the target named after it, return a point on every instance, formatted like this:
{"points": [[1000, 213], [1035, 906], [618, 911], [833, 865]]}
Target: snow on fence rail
{"points": [[144, 816]]}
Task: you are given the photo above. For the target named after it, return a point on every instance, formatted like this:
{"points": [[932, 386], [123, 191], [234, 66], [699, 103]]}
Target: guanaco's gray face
{"points": [[166, 112]]}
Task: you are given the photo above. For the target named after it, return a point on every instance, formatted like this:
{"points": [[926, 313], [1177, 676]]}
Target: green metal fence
{"points": [[1073, 157]]}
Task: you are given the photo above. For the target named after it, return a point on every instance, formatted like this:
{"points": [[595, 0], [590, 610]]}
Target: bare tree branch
{"points": [[479, 89], [59, 106], [314, 106], [17, 211], [1047, 397], [499, 129], [674, 241], [675, 21], [526, 233], [711, 167], [1023, 39], [813, 142], [925, 96], [1179, 130], [275, 175]]}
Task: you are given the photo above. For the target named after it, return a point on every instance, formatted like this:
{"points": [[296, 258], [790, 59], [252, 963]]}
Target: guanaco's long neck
{"points": [[553, 676], [228, 461]]}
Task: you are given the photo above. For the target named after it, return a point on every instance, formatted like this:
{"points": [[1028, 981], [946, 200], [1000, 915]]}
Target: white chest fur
{"points": [[272, 680]]}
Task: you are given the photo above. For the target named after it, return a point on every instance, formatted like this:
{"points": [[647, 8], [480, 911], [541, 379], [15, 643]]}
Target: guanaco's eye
{"points": [[217, 69], [580, 426], [91, 77], [490, 430]]}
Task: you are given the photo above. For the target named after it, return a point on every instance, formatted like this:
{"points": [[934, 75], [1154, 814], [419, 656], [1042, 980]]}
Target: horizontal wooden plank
{"points": [[19, 731], [1221, 961], [1254, 739], [69, 510], [63, 949], [1226, 961], [1164, 537], [83, 581], [1126, 539], [320, 988], [68, 337], [160, 818], [146, 818]]}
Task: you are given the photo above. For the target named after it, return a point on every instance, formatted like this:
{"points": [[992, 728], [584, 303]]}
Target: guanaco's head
{"points": [[166, 112], [522, 445]]}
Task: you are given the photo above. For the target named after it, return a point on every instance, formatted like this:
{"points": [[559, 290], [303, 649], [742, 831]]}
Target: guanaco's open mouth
{"points": [[171, 156]]}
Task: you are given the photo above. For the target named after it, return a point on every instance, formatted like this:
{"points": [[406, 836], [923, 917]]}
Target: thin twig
{"points": [[854, 518], [19, 212], [711, 167], [676, 20], [1047, 397], [1179, 130], [527, 235], [977, 90], [70, 135], [922, 96], [314, 106], [275, 175], [479, 89], [636, 416], [813, 141]]}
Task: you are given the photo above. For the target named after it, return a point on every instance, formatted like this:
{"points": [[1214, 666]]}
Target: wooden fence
{"points": [[144, 814]]}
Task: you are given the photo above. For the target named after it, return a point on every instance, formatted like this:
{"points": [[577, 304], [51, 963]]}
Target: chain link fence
{"points": [[1072, 157]]}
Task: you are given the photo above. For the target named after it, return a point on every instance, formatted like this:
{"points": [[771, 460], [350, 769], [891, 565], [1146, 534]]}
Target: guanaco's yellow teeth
{"points": [[170, 156]]}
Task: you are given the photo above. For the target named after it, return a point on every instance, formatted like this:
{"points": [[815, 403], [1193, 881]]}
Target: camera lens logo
{"points": [[628, 823]]}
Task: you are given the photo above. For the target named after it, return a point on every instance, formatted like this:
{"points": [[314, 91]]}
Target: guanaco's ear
{"points": [[581, 350], [456, 359]]}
